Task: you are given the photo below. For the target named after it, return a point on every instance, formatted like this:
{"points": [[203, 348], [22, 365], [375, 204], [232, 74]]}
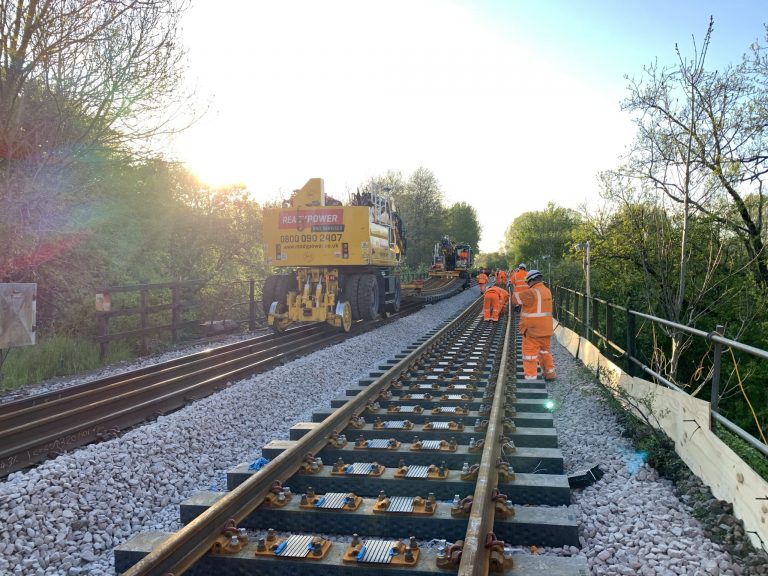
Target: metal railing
{"points": [[599, 321]]}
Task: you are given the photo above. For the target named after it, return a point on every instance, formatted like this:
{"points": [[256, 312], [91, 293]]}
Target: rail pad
{"points": [[245, 563]]}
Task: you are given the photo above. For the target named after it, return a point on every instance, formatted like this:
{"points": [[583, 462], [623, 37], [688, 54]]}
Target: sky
{"points": [[511, 104]]}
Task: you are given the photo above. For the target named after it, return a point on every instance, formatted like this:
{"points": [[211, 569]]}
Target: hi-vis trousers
{"points": [[537, 350]]}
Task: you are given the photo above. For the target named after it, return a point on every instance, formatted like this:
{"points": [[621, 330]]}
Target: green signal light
{"points": [[549, 405]]}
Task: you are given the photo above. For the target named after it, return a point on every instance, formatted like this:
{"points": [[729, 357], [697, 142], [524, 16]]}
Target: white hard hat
{"points": [[523, 266], [532, 275]]}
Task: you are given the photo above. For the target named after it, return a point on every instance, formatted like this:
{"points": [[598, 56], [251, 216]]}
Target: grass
{"points": [[54, 357]]}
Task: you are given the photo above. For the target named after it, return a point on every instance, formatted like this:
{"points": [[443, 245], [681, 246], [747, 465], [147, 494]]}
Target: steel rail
{"points": [[99, 383], [475, 556], [99, 409], [89, 420], [196, 368], [181, 550]]}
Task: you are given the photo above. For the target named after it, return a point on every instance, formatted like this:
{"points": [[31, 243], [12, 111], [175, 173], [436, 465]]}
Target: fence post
{"points": [[252, 305], [103, 333], [594, 322], [717, 350], [576, 307], [585, 315], [143, 316], [630, 341], [608, 323], [175, 316]]}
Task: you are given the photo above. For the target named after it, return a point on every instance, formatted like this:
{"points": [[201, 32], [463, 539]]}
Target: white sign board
{"points": [[18, 308]]}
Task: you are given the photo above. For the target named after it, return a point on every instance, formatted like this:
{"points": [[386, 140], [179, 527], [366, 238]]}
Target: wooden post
{"points": [[609, 323], [143, 318], [252, 305], [175, 313], [717, 350], [103, 333], [595, 322], [630, 342]]}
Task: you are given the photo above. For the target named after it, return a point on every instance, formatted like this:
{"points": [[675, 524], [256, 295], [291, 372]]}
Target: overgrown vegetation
{"points": [[53, 357]]}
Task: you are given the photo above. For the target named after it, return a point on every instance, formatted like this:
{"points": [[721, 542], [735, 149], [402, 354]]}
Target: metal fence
{"points": [[616, 329]]}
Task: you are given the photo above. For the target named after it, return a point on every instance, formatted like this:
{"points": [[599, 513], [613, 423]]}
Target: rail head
{"points": [[179, 552], [476, 555]]}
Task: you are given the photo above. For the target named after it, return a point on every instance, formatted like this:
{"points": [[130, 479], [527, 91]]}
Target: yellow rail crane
{"points": [[337, 263]]}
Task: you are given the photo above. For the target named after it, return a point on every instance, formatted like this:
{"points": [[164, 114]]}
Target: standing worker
{"points": [[536, 326], [482, 280], [519, 279], [501, 278], [493, 302]]}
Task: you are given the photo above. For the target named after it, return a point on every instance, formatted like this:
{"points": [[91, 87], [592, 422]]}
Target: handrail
{"points": [[715, 336]]}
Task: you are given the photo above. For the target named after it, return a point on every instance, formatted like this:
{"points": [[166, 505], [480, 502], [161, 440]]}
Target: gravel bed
{"points": [[65, 516]]}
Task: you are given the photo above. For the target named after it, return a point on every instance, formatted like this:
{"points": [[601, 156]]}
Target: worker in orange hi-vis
{"points": [[519, 279], [536, 326], [482, 280], [501, 278], [493, 303]]}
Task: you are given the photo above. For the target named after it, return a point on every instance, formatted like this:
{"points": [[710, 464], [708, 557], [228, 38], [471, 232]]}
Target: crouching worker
{"points": [[494, 301], [536, 326]]}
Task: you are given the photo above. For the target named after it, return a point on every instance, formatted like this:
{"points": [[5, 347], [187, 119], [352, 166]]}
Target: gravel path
{"points": [[65, 516]]}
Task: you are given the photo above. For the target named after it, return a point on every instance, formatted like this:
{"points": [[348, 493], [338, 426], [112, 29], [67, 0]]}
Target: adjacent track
{"points": [[36, 428], [442, 443]]}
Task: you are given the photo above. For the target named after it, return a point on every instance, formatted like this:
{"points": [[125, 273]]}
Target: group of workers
{"points": [[533, 299]]}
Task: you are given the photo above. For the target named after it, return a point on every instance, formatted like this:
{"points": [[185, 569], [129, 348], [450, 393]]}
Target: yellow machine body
{"points": [[310, 232], [325, 244]]}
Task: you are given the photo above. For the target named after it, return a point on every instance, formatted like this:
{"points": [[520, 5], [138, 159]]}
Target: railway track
{"points": [[37, 428], [442, 444], [436, 288]]}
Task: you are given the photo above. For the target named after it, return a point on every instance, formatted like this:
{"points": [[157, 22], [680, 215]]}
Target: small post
{"points": [[252, 305], [585, 315], [595, 320], [175, 313], [630, 341], [717, 351], [609, 323], [576, 307], [143, 318]]}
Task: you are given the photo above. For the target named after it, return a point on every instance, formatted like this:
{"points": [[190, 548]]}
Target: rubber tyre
{"points": [[286, 283], [350, 294], [368, 297], [346, 317], [398, 295], [268, 292]]}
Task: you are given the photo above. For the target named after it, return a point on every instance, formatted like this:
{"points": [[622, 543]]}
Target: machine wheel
{"points": [[350, 294], [280, 324], [398, 295], [346, 317], [368, 297], [268, 292]]}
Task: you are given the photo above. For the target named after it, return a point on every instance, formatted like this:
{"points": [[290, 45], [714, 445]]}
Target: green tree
{"points": [[701, 141], [420, 204], [84, 85], [545, 236], [462, 225]]}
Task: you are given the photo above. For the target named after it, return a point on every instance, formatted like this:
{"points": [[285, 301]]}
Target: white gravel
{"points": [[65, 516]]}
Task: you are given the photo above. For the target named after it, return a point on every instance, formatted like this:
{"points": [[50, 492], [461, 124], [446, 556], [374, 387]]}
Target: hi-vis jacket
{"points": [[536, 311], [519, 280]]}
